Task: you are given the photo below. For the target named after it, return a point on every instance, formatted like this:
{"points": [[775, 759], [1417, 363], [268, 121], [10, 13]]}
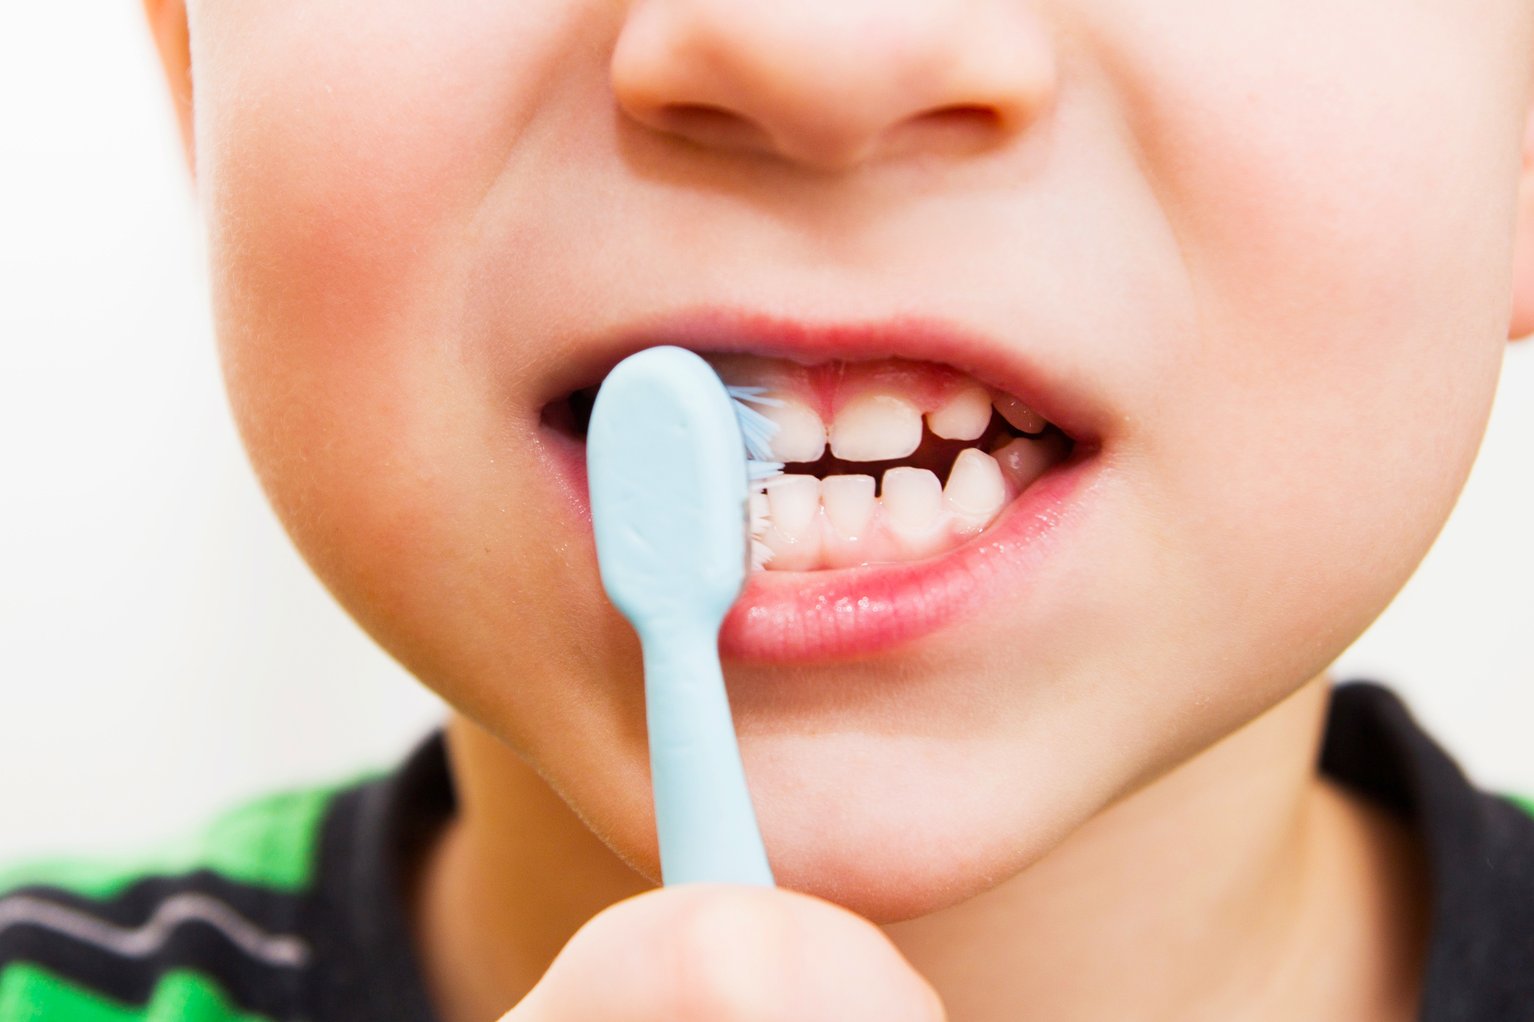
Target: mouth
{"points": [[885, 461], [913, 479]]}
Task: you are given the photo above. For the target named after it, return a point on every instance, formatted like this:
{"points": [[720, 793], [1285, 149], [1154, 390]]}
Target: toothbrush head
{"points": [[757, 430], [667, 463]]}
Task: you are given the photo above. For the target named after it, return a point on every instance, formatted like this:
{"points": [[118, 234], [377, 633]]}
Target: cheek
{"points": [[1348, 251], [342, 158]]}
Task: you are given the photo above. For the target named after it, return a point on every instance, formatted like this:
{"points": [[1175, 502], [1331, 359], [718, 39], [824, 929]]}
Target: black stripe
{"points": [[362, 965], [365, 967], [251, 985], [1480, 965]]}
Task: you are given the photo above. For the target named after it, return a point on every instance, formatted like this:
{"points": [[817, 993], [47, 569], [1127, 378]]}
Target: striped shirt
{"points": [[288, 908], [291, 908]]}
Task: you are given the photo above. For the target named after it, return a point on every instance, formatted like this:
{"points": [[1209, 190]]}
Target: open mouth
{"points": [[886, 460]]}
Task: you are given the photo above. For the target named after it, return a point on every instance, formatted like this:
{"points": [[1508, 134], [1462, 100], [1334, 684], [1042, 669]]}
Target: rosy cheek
{"points": [[1324, 221], [344, 157]]}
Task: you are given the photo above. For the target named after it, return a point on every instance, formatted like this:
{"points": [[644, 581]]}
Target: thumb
{"points": [[723, 953]]}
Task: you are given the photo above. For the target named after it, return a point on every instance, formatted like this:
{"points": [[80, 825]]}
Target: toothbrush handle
{"points": [[703, 814]]}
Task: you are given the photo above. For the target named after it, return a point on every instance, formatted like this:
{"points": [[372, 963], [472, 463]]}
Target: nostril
{"points": [[963, 115], [957, 128], [711, 125], [954, 129], [829, 85]]}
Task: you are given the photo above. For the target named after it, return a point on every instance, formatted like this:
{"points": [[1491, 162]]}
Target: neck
{"points": [[508, 883], [1239, 884], [1239, 873]]}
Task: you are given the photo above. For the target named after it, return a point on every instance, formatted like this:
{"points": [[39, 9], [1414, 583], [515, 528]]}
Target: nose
{"points": [[831, 84]]}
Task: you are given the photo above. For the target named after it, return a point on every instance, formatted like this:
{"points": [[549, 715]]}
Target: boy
{"points": [[1235, 276]]}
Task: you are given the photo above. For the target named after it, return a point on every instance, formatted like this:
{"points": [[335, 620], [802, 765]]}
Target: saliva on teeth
{"points": [[847, 519]]}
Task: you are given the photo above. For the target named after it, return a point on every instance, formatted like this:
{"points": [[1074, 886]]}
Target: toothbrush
{"points": [[672, 455]]}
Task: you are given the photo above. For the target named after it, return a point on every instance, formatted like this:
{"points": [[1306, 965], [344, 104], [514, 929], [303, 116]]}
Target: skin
{"points": [[1284, 242]]}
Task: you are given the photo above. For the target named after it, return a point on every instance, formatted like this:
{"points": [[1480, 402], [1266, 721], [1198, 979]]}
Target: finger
{"points": [[717, 953]]}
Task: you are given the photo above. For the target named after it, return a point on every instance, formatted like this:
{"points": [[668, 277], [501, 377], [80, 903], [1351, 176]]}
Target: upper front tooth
{"points": [[801, 436], [876, 427], [1020, 415], [964, 416]]}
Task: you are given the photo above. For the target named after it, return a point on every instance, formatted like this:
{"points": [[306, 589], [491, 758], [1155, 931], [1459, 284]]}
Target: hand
{"points": [[722, 953]]}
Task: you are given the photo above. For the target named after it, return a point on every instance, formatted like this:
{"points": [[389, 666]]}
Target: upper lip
{"points": [[1009, 368]]}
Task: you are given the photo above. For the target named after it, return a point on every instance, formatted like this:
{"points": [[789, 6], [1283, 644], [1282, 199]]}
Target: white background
{"points": [[162, 648]]}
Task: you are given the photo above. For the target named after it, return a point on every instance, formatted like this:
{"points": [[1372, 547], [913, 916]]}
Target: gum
{"points": [[828, 386]]}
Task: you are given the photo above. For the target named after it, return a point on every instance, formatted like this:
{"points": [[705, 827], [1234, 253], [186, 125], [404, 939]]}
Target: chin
{"points": [[893, 827]]}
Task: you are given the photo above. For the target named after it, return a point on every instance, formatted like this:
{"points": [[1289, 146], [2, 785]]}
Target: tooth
{"points": [[801, 436], [1022, 461], [793, 507], [976, 489], [786, 554], [849, 503], [792, 501], [757, 508], [876, 427], [1020, 415], [761, 551], [912, 498], [964, 417]]}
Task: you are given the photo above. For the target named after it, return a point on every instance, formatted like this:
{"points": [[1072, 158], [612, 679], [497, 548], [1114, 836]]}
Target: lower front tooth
{"points": [[849, 503], [976, 490], [792, 501], [912, 498], [793, 511]]}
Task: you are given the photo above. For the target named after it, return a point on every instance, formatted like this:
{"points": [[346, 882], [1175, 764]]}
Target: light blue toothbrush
{"points": [[667, 462]]}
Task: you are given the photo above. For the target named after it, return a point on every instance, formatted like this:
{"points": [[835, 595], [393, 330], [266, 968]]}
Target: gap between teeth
{"points": [[880, 414], [804, 523]]}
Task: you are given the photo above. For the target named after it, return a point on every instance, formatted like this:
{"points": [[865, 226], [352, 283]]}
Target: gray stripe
{"points": [[280, 950]]}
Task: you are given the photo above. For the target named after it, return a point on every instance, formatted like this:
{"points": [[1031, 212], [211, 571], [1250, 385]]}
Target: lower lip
{"points": [[800, 617]]}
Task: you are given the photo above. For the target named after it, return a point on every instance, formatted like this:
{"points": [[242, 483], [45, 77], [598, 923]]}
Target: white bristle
{"points": [[761, 471], [761, 553], [757, 431]]}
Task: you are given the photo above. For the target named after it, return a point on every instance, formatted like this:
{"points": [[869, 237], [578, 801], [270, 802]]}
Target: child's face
{"points": [[1257, 253]]}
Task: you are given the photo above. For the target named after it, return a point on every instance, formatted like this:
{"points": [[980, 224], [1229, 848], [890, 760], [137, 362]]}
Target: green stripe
{"points": [[1524, 802], [267, 843], [32, 994]]}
